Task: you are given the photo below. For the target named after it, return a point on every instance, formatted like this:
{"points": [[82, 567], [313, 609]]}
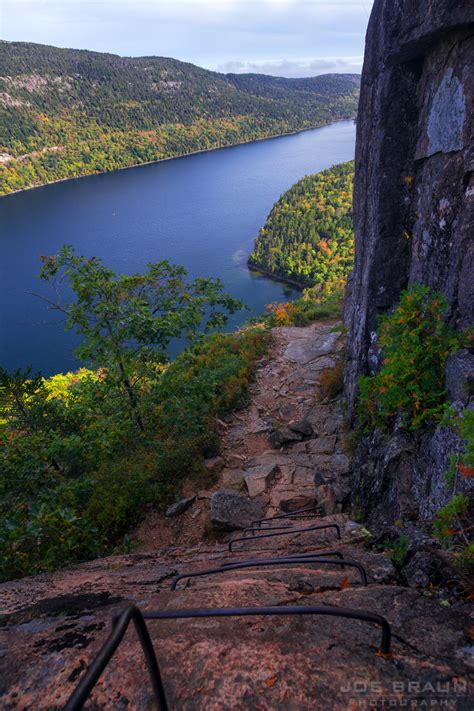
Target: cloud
{"points": [[295, 68], [207, 32]]}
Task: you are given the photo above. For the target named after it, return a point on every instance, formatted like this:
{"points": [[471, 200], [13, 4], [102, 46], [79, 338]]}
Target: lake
{"points": [[202, 211]]}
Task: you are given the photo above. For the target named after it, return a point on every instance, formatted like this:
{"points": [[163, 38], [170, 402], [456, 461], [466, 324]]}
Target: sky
{"points": [[282, 37]]}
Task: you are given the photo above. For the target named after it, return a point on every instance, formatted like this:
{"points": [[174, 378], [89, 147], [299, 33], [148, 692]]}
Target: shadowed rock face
{"points": [[414, 222], [414, 184]]}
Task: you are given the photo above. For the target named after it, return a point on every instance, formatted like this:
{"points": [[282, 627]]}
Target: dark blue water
{"points": [[202, 211]]}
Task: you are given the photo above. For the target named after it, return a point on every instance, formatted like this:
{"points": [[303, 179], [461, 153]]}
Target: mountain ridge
{"points": [[67, 113]]}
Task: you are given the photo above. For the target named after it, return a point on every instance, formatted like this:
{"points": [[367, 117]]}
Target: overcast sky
{"points": [[282, 37]]}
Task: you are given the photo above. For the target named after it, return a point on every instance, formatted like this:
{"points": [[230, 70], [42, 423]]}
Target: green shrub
{"points": [[399, 550], [321, 302], [415, 343], [71, 489], [448, 522]]}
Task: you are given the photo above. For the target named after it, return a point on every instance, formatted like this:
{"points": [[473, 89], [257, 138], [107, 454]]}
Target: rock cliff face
{"points": [[413, 214]]}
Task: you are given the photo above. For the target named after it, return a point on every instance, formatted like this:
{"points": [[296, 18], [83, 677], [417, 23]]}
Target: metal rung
{"points": [[316, 554], [287, 533], [263, 563], [120, 625], [291, 514]]}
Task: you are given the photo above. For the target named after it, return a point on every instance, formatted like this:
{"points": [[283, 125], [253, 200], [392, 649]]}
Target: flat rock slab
{"points": [[258, 479], [322, 445], [305, 350]]}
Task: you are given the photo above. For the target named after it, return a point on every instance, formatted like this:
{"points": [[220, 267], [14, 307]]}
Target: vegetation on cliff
{"points": [[82, 454], [415, 340], [408, 393], [308, 235], [66, 113]]}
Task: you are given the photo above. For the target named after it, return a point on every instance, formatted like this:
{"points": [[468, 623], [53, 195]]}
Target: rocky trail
{"points": [[284, 452]]}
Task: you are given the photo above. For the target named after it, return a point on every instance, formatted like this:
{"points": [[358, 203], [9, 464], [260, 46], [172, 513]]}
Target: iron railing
{"points": [[286, 532], [310, 512], [133, 613], [266, 562]]}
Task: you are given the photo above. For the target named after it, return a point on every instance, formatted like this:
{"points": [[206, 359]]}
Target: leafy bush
{"points": [[448, 519], [317, 304], [399, 550], [452, 523], [80, 459], [415, 343]]}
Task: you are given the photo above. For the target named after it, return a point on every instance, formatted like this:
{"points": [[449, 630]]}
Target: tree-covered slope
{"points": [[65, 113], [308, 235]]}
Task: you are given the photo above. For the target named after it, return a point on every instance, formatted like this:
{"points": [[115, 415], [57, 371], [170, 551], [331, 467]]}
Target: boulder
{"points": [[333, 465], [302, 501], [302, 427], [179, 507], [283, 436], [322, 445], [259, 478], [231, 511], [421, 569]]}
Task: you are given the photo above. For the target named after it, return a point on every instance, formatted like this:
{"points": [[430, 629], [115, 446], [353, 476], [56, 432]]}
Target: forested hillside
{"points": [[308, 235], [66, 113]]}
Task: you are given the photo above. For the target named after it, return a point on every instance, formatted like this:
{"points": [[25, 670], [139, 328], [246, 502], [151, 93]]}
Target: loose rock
{"points": [[179, 507], [283, 436], [301, 426], [231, 511], [258, 479]]}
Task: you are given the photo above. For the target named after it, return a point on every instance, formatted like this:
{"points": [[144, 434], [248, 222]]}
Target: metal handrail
{"points": [[263, 563], [346, 612], [120, 625], [286, 533]]}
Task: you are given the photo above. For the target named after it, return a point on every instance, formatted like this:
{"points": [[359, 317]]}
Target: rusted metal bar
{"points": [[312, 510], [254, 529], [289, 610], [119, 627], [263, 563], [315, 554], [287, 533]]}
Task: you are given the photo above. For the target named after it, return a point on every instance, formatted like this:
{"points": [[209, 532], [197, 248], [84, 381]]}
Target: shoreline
{"points": [[276, 277], [179, 157]]}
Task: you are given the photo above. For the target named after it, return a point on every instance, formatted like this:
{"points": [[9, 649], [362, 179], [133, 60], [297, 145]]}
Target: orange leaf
{"points": [[271, 681], [466, 471], [344, 584]]}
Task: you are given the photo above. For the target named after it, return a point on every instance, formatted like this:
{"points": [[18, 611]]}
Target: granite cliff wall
{"points": [[414, 222]]}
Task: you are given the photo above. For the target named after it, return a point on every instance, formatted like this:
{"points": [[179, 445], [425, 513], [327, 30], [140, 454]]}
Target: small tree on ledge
{"points": [[127, 321]]}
